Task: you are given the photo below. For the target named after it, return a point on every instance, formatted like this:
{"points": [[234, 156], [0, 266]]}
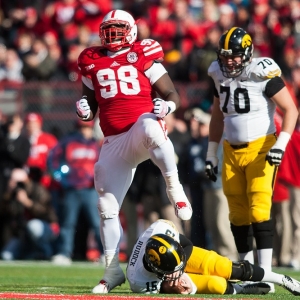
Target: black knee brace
{"points": [[263, 234], [243, 237], [243, 270]]}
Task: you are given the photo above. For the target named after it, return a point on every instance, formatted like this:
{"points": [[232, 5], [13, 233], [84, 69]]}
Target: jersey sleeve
{"points": [[212, 69], [152, 50], [86, 59], [266, 68]]}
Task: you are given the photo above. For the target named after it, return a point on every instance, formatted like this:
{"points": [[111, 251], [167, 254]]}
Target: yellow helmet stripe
{"points": [[228, 35], [168, 246]]}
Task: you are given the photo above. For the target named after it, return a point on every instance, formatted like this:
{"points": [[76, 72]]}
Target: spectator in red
{"points": [[281, 212], [41, 143], [291, 177], [59, 15], [91, 12], [177, 34]]}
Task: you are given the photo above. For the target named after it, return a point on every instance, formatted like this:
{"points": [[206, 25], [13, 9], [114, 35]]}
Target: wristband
{"points": [[172, 106], [212, 149], [282, 140]]}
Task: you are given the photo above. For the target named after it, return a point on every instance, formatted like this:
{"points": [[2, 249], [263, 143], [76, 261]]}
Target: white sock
{"points": [[264, 257], [272, 277], [247, 256], [111, 232]]}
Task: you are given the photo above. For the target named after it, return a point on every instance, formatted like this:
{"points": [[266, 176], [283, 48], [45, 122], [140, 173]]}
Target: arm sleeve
{"points": [[186, 244], [274, 86]]}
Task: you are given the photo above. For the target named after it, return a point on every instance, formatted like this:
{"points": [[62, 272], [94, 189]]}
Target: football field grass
{"points": [[44, 281]]}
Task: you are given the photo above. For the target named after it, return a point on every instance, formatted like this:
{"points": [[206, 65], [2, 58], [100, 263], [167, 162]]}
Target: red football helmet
{"points": [[117, 30]]}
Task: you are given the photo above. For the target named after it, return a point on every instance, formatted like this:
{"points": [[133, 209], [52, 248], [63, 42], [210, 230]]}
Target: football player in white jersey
{"points": [[165, 261], [122, 80], [246, 92]]}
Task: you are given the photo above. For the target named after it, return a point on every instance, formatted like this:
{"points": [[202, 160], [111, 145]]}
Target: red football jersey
{"points": [[122, 89], [40, 147]]}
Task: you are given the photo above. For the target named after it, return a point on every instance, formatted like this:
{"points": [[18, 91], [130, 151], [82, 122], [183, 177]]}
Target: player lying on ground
{"points": [[165, 261]]}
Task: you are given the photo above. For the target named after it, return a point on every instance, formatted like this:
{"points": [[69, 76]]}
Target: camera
{"points": [[20, 185]]}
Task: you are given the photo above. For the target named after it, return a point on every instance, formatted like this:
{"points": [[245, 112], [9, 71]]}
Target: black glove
{"points": [[211, 171], [274, 156]]}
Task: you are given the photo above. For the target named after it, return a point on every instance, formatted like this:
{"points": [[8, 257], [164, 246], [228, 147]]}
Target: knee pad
{"points": [[108, 206], [242, 270], [35, 228], [263, 233], [153, 130]]}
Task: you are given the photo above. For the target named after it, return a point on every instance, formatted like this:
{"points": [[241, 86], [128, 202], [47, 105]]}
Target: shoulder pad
{"points": [[265, 68], [214, 66], [87, 57], [151, 49]]}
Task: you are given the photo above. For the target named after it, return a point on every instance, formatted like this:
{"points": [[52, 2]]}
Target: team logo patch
{"points": [[154, 257], [246, 41], [132, 57]]}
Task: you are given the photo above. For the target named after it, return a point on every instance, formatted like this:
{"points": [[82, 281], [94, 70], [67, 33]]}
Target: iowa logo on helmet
{"points": [[153, 256], [246, 41]]}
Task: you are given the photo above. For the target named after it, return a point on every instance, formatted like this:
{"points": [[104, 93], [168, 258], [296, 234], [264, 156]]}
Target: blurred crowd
{"points": [[41, 174], [41, 40]]}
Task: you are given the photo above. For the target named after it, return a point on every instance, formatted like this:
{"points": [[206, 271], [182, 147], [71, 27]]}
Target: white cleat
{"points": [[292, 285], [183, 210], [111, 279], [254, 288]]}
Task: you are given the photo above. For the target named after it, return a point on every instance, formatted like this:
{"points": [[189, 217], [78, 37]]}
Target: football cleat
{"points": [[254, 288], [291, 285], [183, 210], [111, 279]]}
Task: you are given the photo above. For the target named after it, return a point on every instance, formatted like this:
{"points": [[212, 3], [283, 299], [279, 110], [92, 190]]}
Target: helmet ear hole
{"points": [[164, 256], [235, 42]]}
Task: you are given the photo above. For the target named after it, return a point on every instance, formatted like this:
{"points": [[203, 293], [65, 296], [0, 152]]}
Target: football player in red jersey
{"points": [[123, 78]]}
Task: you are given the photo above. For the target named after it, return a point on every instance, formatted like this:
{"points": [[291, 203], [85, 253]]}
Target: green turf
{"points": [[81, 277]]}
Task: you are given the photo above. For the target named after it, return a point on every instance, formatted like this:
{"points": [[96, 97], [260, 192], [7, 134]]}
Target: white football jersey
{"points": [[141, 280], [248, 112]]}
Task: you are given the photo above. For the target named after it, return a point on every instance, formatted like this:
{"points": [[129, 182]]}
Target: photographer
{"points": [[30, 223], [14, 148]]}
